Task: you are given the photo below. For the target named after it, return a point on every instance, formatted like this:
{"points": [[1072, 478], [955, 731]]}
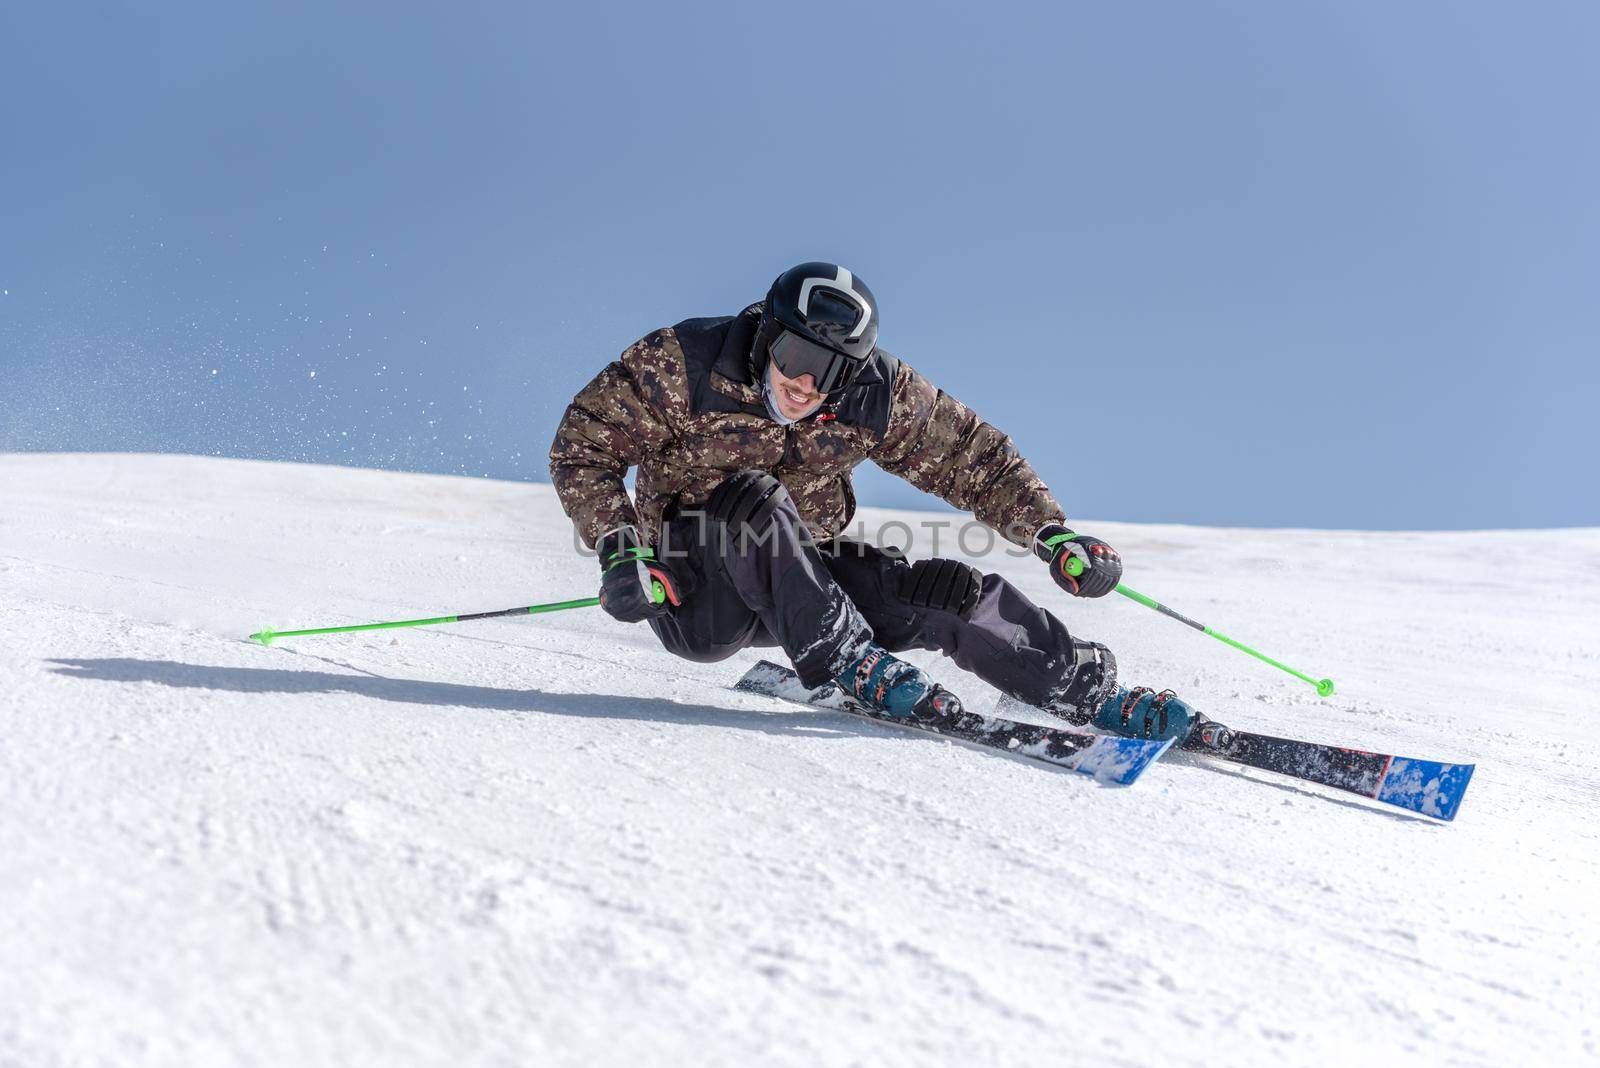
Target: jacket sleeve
{"points": [[939, 445], [609, 427]]}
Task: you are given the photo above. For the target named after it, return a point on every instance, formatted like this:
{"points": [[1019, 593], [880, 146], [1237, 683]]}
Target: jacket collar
{"points": [[733, 362]]}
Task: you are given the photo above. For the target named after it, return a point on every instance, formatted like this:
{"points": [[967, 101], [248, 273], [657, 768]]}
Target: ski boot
{"points": [[1143, 713], [893, 687]]}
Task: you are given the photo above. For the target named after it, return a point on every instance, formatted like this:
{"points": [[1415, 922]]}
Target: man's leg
{"points": [[757, 578], [713, 622], [982, 622]]}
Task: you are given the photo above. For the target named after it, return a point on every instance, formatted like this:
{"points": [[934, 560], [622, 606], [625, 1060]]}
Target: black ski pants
{"points": [[821, 602]]}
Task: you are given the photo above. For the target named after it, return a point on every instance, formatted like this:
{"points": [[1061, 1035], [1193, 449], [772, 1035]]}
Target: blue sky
{"points": [[1255, 264]]}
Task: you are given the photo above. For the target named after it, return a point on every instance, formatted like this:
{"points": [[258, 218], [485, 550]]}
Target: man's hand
{"points": [[634, 585], [1059, 546]]}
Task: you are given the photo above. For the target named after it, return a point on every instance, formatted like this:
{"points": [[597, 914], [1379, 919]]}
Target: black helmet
{"points": [[819, 319]]}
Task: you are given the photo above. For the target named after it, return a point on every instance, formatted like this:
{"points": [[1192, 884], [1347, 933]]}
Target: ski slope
{"points": [[544, 841]]}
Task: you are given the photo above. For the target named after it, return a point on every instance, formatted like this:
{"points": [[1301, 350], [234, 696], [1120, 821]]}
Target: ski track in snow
{"points": [[546, 841]]}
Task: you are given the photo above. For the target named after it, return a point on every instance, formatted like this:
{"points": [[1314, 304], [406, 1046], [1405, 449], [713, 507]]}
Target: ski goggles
{"points": [[795, 356]]}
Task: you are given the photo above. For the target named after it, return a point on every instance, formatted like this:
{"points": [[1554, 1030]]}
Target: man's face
{"points": [[796, 398]]}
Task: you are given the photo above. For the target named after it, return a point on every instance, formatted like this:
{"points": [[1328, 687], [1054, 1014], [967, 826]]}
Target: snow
{"points": [[545, 841]]}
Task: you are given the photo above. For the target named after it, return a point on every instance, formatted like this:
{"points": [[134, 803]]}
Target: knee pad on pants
{"points": [[942, 585], [745, 504]]}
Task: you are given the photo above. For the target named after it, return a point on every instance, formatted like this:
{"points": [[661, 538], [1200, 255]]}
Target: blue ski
{"points": [[1110, 760], [1428, 787]]}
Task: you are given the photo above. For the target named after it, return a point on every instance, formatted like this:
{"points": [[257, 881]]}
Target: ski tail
{"points": [[1117, 761], [1425, 786]]}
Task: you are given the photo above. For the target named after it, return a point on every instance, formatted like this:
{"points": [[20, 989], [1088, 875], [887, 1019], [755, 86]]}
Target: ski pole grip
{"points": [[1074, 567], [658, 592]]}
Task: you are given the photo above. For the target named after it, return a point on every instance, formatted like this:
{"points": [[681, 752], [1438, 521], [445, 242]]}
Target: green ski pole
{"points": [[1324, 686], [266, 636]]}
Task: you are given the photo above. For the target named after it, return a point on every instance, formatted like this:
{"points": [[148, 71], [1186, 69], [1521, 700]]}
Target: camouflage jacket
{"points": [[683, 406]]}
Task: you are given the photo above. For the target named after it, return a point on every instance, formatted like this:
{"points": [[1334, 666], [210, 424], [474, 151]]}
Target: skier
{"points": [[744, 430]]}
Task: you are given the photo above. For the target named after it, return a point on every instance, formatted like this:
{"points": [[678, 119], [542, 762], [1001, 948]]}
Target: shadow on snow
{"points": [[443, 694]]}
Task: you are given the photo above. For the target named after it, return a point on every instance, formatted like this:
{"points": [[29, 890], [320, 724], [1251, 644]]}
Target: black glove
{"points": [[1058, 546], [634, 585]]}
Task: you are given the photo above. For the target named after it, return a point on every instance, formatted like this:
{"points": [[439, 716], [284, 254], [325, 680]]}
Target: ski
{"points": [[1428, 787], [1111, 760]]}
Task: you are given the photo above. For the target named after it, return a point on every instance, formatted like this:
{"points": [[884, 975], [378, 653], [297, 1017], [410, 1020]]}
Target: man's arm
{"points": [[609, 427], [938, 444]]}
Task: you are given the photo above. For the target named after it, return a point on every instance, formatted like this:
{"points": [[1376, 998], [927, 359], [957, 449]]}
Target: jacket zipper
{"points": [[791, 454]]}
